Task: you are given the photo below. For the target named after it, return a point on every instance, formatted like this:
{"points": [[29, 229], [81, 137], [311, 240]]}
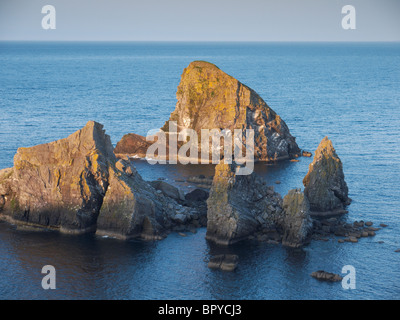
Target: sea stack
{"points": [[296, 221], [238, 205], [208, 98], [324, 183]]}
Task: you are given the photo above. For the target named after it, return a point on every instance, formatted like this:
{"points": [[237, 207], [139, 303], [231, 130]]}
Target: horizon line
{"points": [[205, 41]]}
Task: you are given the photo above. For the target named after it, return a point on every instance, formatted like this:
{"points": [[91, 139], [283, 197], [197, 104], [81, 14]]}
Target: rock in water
{"points": [[326, 276], [132, 144], [208, 98], [238, 205], [296, 221], [77, 185], [324, 183]]}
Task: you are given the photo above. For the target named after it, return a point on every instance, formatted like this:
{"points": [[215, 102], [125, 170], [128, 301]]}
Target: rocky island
{"points": [[208, 98]]}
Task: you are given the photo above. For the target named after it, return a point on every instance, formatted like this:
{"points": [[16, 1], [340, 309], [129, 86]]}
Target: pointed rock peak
{"points": [[92, 131], [324, 183], [91, 137], [326, 149]]}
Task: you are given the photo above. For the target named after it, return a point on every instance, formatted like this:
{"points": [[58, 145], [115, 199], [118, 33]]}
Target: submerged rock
{"points": [[326, 276], [296, 221], [324, 183], [238, 205]]}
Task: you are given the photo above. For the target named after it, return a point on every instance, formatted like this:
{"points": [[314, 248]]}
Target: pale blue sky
{"points": [[206, 20]]}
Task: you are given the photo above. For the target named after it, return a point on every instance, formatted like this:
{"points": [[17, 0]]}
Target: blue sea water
{"points": [[347, 91]]}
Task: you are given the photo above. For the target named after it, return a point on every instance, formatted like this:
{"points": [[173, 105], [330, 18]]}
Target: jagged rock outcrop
{"points": [[324, 183], [208, 98], [238, 205], [77, 185], [60, 184], [296, 221]]}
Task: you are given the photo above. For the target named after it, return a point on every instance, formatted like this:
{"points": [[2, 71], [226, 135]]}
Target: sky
{"points": [[200, 20]]}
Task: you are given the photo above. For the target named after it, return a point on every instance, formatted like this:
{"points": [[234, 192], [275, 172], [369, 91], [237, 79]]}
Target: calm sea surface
{"points": [[349, 92]]}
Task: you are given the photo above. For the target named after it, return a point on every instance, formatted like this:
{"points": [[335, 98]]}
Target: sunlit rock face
{"points": [[208, 98]]}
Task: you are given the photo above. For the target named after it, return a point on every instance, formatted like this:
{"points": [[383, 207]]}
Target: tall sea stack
{"points": [[324, 183]]}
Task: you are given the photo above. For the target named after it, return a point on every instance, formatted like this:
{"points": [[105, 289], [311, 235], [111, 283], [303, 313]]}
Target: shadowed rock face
{"points": [[208, 98], [238, 205], [77, 185], [131, 207], [324, 183], [296, 221]]}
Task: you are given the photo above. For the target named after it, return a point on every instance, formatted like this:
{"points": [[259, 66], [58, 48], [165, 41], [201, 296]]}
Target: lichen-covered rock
{"points": [[60, 184], [77, 185], [296, 221], [324, 183], [208, 98], [238, 205]]}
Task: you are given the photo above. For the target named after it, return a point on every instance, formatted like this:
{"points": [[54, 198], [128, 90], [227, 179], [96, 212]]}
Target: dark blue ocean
{"points": [[349, 92]]}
